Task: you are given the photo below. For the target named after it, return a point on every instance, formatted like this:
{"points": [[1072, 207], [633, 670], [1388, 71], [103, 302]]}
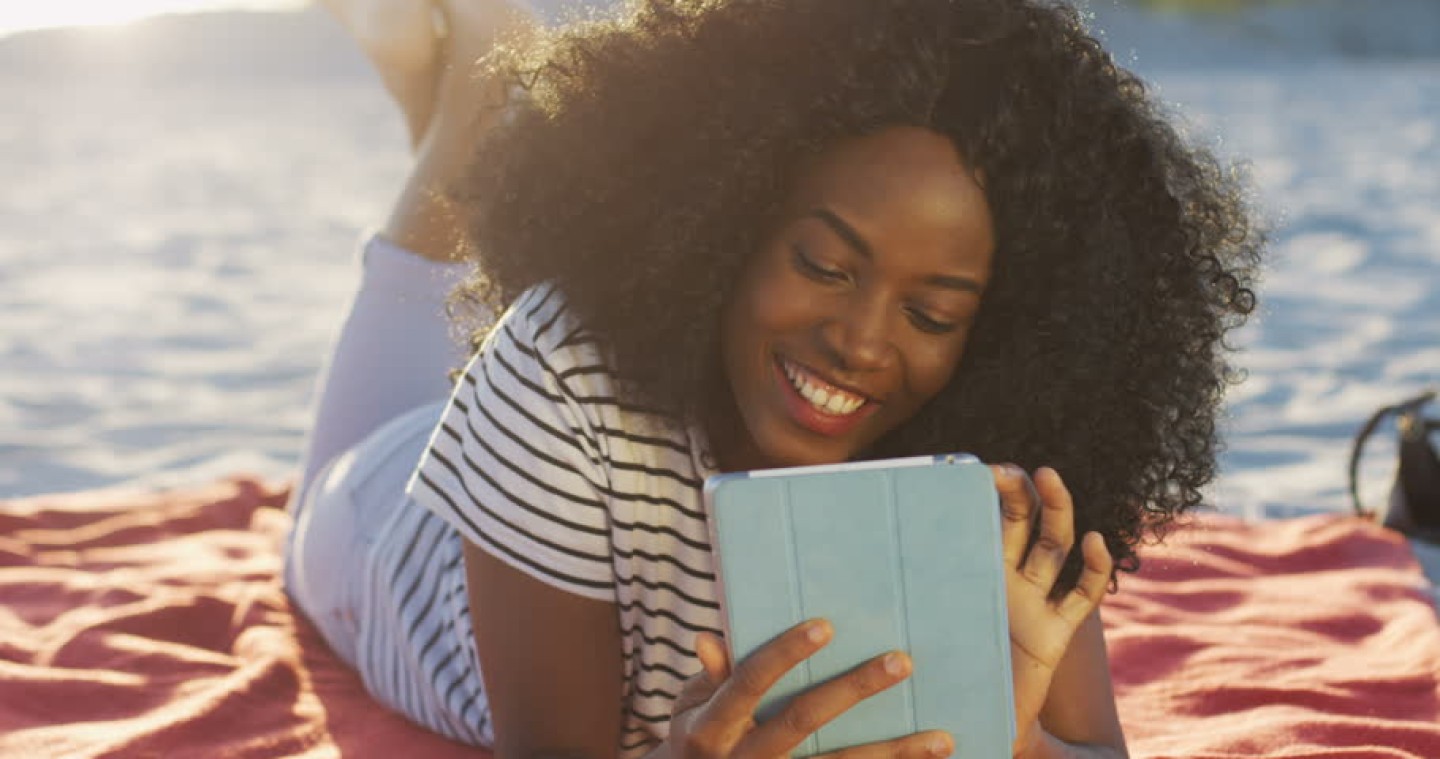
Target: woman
{"points": [[747, 234]]}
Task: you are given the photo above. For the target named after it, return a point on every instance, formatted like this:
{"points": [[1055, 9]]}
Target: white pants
{"points": [[380, 395]]}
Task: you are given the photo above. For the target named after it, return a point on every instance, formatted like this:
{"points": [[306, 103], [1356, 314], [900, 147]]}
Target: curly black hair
{"points": [[652, 154]]}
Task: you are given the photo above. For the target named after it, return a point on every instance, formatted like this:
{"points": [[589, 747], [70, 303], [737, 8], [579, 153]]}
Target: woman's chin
{"points": [[798, 448]]}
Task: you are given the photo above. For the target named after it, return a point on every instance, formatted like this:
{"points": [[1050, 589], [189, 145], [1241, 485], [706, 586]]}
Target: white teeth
{"points": [[835, 403]]}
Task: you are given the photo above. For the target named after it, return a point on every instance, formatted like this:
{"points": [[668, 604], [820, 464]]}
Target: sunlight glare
{"points": [[15, 16]]}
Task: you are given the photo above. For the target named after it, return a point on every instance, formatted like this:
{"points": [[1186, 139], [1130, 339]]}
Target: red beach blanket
{"points": [[154, 625], [1312, 637]]}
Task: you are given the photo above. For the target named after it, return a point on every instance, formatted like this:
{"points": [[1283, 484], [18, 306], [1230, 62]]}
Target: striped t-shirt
{"points": [[541, 463]]}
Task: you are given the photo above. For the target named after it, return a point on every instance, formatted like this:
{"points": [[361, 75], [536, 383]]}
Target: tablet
{"points": [[898, 554]]}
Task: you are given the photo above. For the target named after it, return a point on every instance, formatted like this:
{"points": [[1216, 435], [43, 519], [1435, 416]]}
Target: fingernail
{"points": [[817, 633], [939, 746], [894, 665]]}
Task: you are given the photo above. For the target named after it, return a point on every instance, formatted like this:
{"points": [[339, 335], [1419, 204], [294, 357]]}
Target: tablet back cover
{"points": [[906, 558]]}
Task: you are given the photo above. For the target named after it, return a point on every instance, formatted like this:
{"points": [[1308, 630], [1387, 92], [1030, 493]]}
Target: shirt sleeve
{"points": [[515, 465]]}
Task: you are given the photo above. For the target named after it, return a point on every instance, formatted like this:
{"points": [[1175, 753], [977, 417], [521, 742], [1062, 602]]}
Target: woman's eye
{"points": [[926, 323], [817, 271]]}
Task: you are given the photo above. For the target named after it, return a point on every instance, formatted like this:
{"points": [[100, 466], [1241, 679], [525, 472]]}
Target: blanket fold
{"points": [[154, 625], [1308, 637], [135, 624]]}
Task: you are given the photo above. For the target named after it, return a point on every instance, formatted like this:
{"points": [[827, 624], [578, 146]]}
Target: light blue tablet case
{"points": [[903, 554]]}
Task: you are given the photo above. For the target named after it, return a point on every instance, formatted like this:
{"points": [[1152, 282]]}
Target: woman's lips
{"points": [[817, 405]]}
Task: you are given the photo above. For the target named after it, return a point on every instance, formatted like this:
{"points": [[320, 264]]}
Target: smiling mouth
{"points": [[822, 396]]}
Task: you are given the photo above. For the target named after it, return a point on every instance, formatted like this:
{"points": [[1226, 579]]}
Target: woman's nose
{"points": [[858, 335]]}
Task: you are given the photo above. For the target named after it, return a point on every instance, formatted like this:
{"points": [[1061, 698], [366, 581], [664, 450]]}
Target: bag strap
{"points": [[1358, 447]]}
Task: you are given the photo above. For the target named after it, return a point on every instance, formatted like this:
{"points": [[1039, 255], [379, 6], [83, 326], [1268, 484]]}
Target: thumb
{"points": [[713, 657]]}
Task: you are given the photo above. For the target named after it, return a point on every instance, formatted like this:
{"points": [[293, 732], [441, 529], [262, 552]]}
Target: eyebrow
{"points": [[844, 230], [854, 240]]}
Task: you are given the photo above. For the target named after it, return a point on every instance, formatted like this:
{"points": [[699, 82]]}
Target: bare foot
{"points": [[462, 108], [402, 39]]}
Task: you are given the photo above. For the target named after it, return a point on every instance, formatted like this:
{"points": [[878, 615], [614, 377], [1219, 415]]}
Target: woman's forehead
{"points": [[902, 184], [894, 163]]}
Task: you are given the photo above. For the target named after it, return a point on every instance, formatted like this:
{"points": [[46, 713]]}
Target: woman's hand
{"points": [[714, 714], [1041, 628]]}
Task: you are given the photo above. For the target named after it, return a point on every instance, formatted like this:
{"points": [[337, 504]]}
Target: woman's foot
{"points": [[415, 45], [403, 40]]}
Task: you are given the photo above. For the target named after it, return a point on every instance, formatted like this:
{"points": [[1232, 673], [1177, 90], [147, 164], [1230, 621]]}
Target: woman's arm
{"points": [[552, 671], [1079, 716], [550, 662], [1063, 696]]}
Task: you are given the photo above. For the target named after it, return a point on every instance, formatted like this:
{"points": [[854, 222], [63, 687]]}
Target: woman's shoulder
{"points": [[542, 345], [540, 328]]}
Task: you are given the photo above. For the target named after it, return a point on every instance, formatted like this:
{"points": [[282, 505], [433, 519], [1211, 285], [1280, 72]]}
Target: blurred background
{"points": [[185, 183]]}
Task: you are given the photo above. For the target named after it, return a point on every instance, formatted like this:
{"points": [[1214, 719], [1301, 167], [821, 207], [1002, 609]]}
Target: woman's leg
{"points": [[466, 104], [395, 347], [393, 353], [391, 360]]}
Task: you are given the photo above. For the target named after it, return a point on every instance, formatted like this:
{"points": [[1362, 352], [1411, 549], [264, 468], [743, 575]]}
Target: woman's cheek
{"points": [[935, 365]]}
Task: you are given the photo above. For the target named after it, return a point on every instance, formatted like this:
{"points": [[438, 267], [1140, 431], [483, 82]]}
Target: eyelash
{"points": [[809, 268], [928, 325], [819, 273]]}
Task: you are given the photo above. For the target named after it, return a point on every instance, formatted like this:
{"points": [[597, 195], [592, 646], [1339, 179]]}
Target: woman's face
{"points": [[856, 310]]}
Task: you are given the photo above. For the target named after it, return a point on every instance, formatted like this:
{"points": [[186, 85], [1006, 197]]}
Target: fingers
{"points": [[1020, 499], [713, 656], [751, 679], [719, 720], [715, 667], [1094, 579], [1017, 504], [1057, 529], [810, 710], [931, 745]]}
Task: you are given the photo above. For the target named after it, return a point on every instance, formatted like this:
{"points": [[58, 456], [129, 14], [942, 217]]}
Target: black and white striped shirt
{"points": [[541, 463]]}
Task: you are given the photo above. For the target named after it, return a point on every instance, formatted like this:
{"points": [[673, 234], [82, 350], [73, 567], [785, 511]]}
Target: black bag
{"points": [[1414, 507]]}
